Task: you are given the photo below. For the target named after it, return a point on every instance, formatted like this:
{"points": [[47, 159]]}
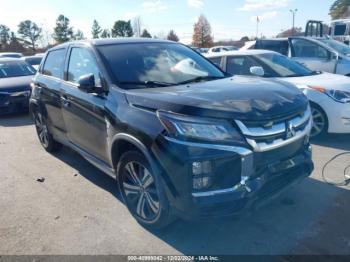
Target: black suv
{"points": [[181, 137]]}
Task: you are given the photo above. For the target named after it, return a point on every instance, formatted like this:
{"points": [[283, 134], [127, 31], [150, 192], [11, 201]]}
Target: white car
{"points": [[219, 49], [329, 94]]}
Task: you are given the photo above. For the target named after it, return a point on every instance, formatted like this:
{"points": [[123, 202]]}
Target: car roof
{"points": [[112, 41], [9, 59], [10, 53], [31, 56], [241, 52]]}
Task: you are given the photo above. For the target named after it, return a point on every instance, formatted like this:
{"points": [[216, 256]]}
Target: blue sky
{"points": [[230, 19]]}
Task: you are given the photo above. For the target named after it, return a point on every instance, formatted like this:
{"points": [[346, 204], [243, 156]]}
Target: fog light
{"points": [[201, 172], [201, 182], [200, 168]]}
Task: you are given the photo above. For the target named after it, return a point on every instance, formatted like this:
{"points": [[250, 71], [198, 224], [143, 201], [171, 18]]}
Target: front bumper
{"points": [[14, 102], [241, 176], [338, 115]]}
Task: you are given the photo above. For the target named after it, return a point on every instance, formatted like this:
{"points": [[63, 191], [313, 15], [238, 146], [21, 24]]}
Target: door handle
{"points": [[65, 101]]}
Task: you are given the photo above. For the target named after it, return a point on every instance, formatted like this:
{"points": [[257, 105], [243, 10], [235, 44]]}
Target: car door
{"points": [[84, 113], [312, 55], [48, 84]]}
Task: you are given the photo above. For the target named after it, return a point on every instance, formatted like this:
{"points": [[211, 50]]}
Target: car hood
{"points": [[244, 98], [325, 80], [15, 84]]}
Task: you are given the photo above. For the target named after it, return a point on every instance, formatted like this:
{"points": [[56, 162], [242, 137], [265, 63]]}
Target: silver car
{"points": [[318, 54]]}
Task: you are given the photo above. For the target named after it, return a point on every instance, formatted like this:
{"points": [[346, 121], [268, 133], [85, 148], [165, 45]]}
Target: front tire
{"points": [[46, 139], [320, 122], [142, 191]]}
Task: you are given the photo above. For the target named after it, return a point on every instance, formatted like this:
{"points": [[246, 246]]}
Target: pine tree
{"points": [[62, 31], [4, 34], [122, 29], [146, 34], [172, 36], [96, 30], [105, 33]]}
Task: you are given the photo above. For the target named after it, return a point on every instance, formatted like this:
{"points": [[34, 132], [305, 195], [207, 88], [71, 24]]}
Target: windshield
{"points": [[282, 66], [15, 68], [339, 47], [162, 63]]}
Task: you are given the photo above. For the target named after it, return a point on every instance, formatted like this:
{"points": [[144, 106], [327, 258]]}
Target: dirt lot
{"points": [[76, 210]]}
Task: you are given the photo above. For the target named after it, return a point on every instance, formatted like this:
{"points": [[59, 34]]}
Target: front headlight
{"points": [[193, 128], [339, 96], [336, 95]]}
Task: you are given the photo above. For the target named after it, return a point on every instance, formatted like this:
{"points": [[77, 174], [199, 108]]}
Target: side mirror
{"points": [[86, 83], [257, 71]]}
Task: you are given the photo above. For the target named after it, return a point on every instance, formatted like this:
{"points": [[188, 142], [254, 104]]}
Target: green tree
{"points": [[14, 43], [202, 33], [172, 36], [122, 29], [79, 35], [4, 35], [105, 33], [30, 32], [146, 34], [245, 39], [62, 31], [96, 30], [339, 9]]}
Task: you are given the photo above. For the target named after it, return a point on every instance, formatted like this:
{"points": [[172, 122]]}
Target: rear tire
{"points": [[142, 191], [320, 121], [46, 139]]}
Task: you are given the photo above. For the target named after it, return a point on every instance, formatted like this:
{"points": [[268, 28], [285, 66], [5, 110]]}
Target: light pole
{"points": [[293, 13]]}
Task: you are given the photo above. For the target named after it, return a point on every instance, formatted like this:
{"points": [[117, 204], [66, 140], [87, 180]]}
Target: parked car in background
{"points": [[318, 54], [11, 55], [329, 94], [39, 54], [15, 79], [186, 140], [199, 49], [340, 30], [34, 61], [218, 49]]}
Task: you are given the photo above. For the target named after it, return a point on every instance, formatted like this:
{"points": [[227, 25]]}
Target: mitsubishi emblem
{"points": [[290, 132]]}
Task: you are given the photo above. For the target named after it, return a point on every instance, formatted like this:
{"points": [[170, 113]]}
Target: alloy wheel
{"points": [[319, 122], [140, 191], [42, 130]]}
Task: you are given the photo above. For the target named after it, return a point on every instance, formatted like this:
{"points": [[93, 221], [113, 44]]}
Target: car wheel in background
{"points": [[45, 138], [142, 191], [320, 121]]}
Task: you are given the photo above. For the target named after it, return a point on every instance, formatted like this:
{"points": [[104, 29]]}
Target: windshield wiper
{"points": [[199, 79], [147, 83]]}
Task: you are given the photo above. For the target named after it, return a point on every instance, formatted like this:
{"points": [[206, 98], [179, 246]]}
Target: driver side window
{"points": [[308, 49], [82, 62]]}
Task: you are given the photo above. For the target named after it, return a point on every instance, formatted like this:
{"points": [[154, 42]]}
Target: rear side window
{"points": [[281, 47], [216, 60], [54, 63]]}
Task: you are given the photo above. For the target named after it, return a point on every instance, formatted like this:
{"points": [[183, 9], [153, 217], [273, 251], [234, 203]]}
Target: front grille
{"points": [[268, 135]]}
